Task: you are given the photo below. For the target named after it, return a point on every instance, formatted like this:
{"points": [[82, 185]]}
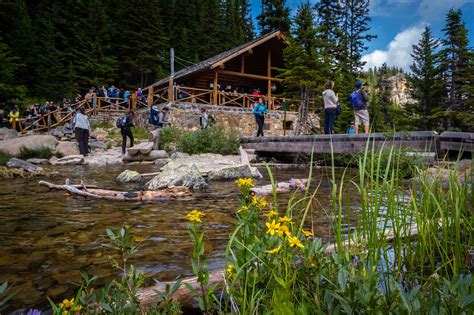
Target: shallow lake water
{"points": [[47, 237]]}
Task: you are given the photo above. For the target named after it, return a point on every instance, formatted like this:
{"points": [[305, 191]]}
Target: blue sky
{"points": [[398, 25]]}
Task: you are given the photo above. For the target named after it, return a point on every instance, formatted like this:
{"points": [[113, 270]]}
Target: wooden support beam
{"points": [[216, 77], [269, 75], [248, 75], [170, 91], [242, 65]]}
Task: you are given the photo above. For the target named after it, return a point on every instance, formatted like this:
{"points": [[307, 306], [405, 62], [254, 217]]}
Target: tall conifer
{"points": [[275, 16]]}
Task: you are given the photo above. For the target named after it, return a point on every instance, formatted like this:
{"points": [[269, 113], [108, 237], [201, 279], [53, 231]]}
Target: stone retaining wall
{"points": [[186, 116]]}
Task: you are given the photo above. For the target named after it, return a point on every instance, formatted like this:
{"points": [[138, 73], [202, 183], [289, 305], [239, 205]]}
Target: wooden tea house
{"points": [[232, 78]]}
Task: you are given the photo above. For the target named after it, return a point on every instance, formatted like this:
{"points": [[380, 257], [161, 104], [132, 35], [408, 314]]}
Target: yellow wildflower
{"points": [[286, 219], [307, 233], [272, 227], [294, 241], [77, 308], [243, 209], [271, 213], [195, 216], [244, 183], [260, 202], [275, 250], [283, 229], [68, 303], [65, 312], [230, 269]]}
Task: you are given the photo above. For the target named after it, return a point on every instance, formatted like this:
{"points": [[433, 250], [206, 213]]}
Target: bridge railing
{"points": [[60, 116]]}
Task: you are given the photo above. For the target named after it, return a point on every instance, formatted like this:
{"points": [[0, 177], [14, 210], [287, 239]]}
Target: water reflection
{"points": [[47, 237]]}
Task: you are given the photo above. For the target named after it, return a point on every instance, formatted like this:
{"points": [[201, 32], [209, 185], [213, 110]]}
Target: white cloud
{"points": [[432, 10], [398, 50]]}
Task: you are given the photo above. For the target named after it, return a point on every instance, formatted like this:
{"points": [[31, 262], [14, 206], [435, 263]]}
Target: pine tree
{"points": [[425, 83], [9, 90], [457, 64], [245, 21], [140, 39], [275, 16], [301, 76]]}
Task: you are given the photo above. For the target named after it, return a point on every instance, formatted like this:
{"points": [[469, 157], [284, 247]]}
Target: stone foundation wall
{"points": [[186, 116]]}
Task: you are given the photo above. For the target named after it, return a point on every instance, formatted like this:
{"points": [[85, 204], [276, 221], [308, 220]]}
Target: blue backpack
{"points": [[355, 101]]}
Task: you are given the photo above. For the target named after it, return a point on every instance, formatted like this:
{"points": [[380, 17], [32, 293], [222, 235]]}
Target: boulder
{"points": [[231, 172], [129, 176], [13, 146], [69, 160], [184, 175], [30, 168], [60, 131], [463, 170], [99, 134], [104, 157], [178, 155], [153, 155], [38, 161], [67, 148], [6, 134], [97, 145], [161, 162]]}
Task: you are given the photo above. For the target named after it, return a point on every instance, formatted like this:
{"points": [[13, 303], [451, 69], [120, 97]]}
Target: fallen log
{"points": [[106, 194]]}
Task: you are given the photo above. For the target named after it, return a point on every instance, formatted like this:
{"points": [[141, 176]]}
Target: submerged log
{"points": [[98, 193]]}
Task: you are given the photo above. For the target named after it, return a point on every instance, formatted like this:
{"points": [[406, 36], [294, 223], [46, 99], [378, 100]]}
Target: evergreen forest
{"points": [[51, 49]]}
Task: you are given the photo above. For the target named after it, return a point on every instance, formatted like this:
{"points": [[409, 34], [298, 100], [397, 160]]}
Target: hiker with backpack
{"points": [[259, 111], [330, 107], [125, 124], [358, 101]]}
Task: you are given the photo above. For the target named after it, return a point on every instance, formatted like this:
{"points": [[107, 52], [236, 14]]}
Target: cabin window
{"points": [[288, 125]]}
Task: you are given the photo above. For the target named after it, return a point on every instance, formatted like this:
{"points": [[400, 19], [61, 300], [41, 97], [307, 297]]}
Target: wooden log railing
{"points": [[60, 116]]}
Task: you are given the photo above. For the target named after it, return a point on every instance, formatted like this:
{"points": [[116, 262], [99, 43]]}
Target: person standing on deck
{"points": [[330, 106], [259, 111], [126, 130], [358, 100], [82, 129]]}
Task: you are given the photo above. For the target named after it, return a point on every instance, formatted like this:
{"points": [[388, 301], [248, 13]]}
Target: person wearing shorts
{"points": [[361, 116]]}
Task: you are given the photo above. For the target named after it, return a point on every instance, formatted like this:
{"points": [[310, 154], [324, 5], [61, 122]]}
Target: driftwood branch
{"points": [[106, 194]]}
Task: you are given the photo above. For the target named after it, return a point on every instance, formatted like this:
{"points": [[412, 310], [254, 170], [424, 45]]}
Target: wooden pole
{"points": [[171, 81], [242, 65], [149, 98], [269, 75], [216, 76]]}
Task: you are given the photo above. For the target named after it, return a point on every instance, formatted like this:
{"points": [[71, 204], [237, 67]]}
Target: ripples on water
{"points": [[47, 237]]}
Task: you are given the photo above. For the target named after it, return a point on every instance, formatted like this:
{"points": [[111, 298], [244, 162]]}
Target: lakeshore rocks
{"points": [[28, 167], [182, 175], [100, 134], [14, 146], [152, 155], [463, 171], [69, 160], [129, 176], [103, 158], [231, 172], [98, 145], [66, 148], [6, 134]]}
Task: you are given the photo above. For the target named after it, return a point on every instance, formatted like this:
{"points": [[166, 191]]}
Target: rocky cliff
{"points": [[400, 94]]}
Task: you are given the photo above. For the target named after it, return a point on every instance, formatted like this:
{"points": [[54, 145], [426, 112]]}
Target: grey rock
{"points": [[30, 168], [38, 161], [67, 148], [178, 155], [14, 146], [6, 134], [161, 162], [153, 155], [184, 175], [129, 176], [98, 145], [231, 172]]}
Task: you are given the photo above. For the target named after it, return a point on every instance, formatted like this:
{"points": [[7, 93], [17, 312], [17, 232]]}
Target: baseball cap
{"points": [[359, 84]]}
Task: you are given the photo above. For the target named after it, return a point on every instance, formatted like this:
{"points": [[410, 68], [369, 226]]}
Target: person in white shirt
{"points": [[330, 106], [82, 129]]}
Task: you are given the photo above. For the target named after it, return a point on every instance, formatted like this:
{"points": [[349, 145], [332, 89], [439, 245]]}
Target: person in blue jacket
{"points": [[259, 111]]}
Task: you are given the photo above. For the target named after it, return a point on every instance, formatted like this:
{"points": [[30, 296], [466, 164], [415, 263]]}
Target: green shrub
{"points": [[168, 138], [213, 140], [140, 133], [39, 153], [104, 124], [4, 157]]}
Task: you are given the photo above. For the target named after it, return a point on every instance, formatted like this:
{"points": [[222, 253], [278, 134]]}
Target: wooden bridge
{"points": [[422, 141]]}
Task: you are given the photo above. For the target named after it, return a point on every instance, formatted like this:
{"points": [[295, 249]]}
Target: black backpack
{"points": [[121, 122]]}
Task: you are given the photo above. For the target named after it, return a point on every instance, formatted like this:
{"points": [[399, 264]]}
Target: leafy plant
{"points": [[4, 157], [212, 140], [6, 294]]}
